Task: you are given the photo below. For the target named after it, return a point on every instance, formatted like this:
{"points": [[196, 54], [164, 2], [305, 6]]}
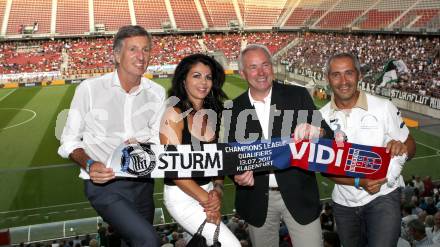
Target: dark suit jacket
{"points": [[298, 187]]}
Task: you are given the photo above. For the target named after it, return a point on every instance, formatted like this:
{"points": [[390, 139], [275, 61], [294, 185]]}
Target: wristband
{"points": [[89, 164], [356, 182]]}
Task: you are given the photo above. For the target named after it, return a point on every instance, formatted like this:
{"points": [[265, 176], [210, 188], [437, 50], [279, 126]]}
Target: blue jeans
{"points": [[376, 224]]}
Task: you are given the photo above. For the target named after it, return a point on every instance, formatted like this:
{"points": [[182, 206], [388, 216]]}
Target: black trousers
{"points": [[128, 206]]}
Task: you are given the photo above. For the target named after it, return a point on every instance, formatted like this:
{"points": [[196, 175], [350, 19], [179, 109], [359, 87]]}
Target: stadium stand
{"points": [[72, 17], [263, 14], [80, 55], [384, 13], [86, 54], [273, 40], [170, 49], [338, 19], [186, 15], [229, 44], [2, 8], [425, 14], [307, 12], [218, 12], [38, 15], [150, 14], [344, 13], [240, 4], [420, 201], [35, 56], [421, 56], [113, 14]]}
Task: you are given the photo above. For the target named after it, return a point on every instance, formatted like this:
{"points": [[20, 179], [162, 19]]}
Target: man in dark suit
{"points": [[267, 110]]}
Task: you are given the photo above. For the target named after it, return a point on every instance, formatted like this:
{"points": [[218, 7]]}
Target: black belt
{"points": [[274, 189]]}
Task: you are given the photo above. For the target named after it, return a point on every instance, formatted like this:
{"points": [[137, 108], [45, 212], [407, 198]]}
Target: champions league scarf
{"points": [[222, 159]]}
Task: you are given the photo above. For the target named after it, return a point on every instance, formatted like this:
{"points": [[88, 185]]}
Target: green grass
{"points": [[38, 186]]}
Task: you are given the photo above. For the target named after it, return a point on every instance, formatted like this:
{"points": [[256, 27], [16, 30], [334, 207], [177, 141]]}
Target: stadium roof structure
{"points": [[52, 18]]}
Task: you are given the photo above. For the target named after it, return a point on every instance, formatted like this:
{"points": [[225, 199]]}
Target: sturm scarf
{"points": [[222, 159]]}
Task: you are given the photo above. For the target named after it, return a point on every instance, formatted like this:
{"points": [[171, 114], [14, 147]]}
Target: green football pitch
{"points": [[37, 186]]}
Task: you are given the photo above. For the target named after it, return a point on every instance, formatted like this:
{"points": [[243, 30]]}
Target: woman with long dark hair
{"points": [[195, 120]]}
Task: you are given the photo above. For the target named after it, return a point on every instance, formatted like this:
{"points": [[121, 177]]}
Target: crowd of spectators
{"points": [[30, 56], [420, 210], [420, 54], [230, 44], [85, 55], [89, 53], [82, 55]]}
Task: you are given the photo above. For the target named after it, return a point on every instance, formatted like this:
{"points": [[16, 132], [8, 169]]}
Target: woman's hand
{"points": [[213, 203], [213, 217]]}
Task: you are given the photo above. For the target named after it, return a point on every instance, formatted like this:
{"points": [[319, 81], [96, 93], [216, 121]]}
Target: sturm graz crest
{"points": [[138, 159]]}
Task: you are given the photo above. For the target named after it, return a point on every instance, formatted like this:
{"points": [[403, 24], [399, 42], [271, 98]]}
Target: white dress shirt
{"points": [[263, 113], [102, 116]]}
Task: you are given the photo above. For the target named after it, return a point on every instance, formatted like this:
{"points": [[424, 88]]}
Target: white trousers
{"points": [[189, 214]]}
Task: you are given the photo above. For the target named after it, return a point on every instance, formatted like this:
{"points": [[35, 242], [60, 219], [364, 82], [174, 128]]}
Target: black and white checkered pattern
{"points": [[169, 172]]}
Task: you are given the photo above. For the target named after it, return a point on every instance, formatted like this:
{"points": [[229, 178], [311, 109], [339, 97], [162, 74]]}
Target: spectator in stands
{"points": [[233, 223], [431, 209], [76, 241], [435, 231], [407, 216], [331, 239], [197, 83], [374, 51], [113, 238], [166, 242], [428, 186], [416, 202], [86, 240], [418, 234], [244, 243], [93, 243], [327, 220], [102, 232], [403, 243], [242, 231], [181, 242], [362, 205], [262, 199], [89, 139], [408, 192], [418, 184], [429, 221]]}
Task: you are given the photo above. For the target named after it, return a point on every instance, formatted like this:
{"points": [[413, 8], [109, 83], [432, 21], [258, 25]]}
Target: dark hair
{"points": [[214, 100], [127, 32], [417, 225], [354, 58]]}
